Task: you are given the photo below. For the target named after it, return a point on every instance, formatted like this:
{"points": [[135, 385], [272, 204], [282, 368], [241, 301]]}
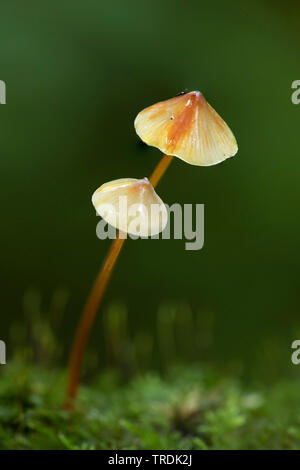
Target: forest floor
{"points": [[190, 408]]}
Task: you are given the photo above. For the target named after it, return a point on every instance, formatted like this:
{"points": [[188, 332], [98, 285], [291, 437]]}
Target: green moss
{"points": [[190, 409]]}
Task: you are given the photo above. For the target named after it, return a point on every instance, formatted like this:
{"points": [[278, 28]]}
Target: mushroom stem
{"points": [[87, 319], [160, 169], [93, 301]]}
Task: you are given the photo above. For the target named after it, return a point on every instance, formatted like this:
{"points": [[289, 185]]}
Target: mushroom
{"points": [[187, 127], [132, 206], [147, 215]]}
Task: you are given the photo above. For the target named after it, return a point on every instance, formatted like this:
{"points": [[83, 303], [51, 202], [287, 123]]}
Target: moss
{"points": [[190, 409]]}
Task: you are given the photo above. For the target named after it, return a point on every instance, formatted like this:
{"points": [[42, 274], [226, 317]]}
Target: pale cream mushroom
{"points": [[132, 206], [187, 127]]}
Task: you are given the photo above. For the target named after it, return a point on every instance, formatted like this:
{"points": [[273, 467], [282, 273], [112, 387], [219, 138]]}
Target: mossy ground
{"points": [[191, 408]]}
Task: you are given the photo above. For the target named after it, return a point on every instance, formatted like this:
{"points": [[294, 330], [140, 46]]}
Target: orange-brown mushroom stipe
{"points": [[187, 127]]}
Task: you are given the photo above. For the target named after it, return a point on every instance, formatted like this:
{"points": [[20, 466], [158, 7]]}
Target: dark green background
{"points": [[77, 73]]}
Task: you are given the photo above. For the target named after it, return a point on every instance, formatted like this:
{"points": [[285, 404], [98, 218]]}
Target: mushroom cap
{"points": [[187, 127], [132, 206]]}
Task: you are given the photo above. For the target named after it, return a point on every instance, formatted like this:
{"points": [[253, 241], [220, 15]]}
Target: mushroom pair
{"points": [[186, 127]]}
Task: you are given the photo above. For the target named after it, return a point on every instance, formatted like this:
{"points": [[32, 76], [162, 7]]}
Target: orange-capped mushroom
{"points": [[187, 127]]}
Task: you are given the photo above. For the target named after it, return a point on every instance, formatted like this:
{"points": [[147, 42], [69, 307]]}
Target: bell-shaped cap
{"points": [[132, 206], [187, 127]]}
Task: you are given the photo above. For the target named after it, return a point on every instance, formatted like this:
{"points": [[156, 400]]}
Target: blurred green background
{"points": [[77, 73]]}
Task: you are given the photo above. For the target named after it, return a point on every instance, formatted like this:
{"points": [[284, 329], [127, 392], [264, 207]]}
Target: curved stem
{"points": [[87, 319], [95, 297]]}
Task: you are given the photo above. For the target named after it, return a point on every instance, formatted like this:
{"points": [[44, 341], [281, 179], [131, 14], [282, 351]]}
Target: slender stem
{"points": [[160, 169], [87, 319], [95, 297]]}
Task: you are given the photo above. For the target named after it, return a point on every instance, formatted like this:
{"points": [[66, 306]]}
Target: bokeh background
{"points": [[77, 73]]}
